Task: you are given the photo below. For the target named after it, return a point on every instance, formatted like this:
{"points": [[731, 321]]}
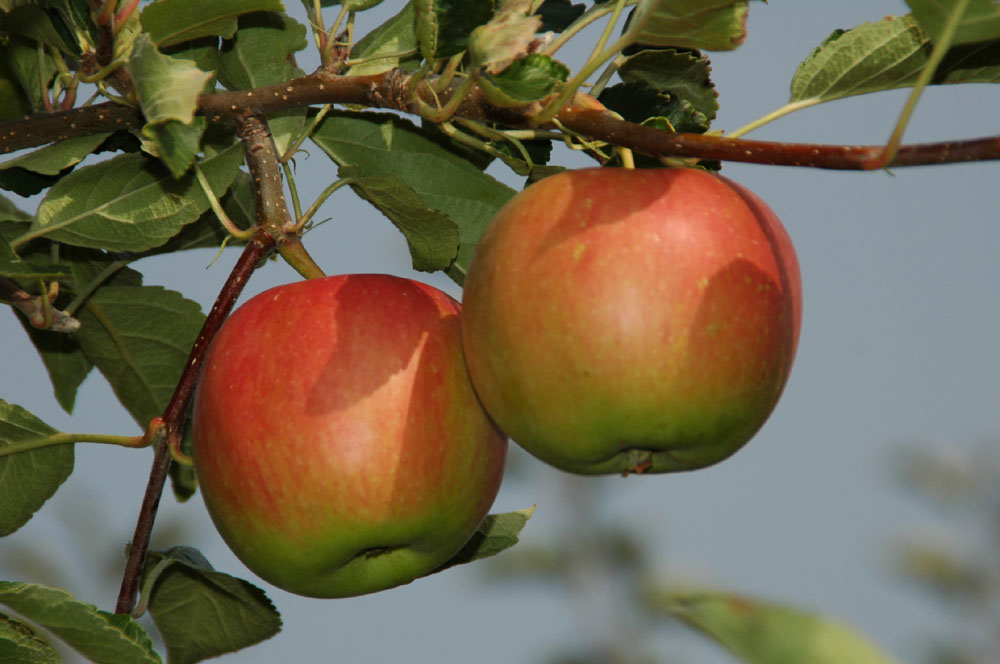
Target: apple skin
{"points": [[626, 321], [339, 445]]}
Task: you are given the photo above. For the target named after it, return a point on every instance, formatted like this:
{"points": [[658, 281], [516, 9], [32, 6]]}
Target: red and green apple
{"points": [[338, 442], [620, 321]]}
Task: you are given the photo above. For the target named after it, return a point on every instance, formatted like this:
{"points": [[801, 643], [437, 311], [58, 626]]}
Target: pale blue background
{"points": [[898, 344]]}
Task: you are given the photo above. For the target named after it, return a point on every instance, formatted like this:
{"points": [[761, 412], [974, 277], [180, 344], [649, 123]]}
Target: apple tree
{"points": [[147, 131]]}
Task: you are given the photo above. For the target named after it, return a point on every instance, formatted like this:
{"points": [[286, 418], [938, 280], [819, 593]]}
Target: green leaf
{"points": [[764, 633], [443, 26], [885, 55], [260, 54], [979, 22], [175, 21], [385, 144], [202, 613], [176, 143], [56, 157], [19, 644], [76, 17], [207, 231], [431, 236], [497, 532], [64, 361], [12, 265], [395, 36], [129, 203], [35, 23], [712, 25], [203, 52], [102, 637], [11, 213], [27, 479], [683, 76], [167, 89], [139, 337], [526, 80], [31, 65], [13, 102]]}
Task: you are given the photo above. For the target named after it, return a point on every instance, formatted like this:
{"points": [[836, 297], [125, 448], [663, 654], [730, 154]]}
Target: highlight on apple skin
{"points": [[627, 321], [338, 442]]}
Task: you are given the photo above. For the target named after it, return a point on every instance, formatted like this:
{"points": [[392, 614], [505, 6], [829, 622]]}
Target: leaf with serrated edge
{"points": [[384, 144], [175, 21], [102, 637], [431, 235], [395, 36], [497, 532], [764, 633], [683, 74], [27, 479], [711, 25], [526, 80], [19, 644], [128, 203], [979, 22], [139, 337], [202, 613], [885, 55]]}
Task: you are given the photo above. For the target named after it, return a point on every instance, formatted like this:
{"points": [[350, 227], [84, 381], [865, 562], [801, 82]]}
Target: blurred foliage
{"points": [[958, 562]]}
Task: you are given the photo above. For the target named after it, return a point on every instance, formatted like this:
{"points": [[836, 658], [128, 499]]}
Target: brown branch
{"points": [[34, 130], [273, 224], [274, 227], [256, 250], [657, 143], [391, 90]]}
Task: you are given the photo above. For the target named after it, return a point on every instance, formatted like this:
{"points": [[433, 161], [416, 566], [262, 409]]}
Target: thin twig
{"points": [[173, 416]]}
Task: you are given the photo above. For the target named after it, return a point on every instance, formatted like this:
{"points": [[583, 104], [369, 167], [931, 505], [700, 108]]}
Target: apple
{"points": [[339, 445], [627, 321]]}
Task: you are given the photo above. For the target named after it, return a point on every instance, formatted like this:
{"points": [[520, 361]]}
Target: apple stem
{"points": [[295, 254]]}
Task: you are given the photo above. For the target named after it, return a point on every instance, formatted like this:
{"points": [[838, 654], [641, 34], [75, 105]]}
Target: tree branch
{"points": [[256, 250], [584, 115]]}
